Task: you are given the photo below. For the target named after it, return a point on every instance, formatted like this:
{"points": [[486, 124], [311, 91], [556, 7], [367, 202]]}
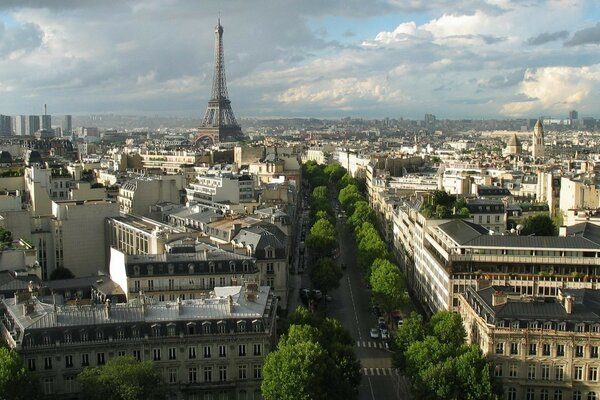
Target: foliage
{"points": [[387, 285], [326, 274], [61, 273], [314, 174], [362, 213], [442, 205], [370, 246], [315, 360], [9, 173], [346, 180], [539, 225], [321, 240], [335, 172], [16, 382], [123, 378], [348, 196], [439, 364], [5, 236]]}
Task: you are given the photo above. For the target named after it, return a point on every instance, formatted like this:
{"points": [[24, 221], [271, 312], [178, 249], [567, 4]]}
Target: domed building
{"points": [[514, 146]]}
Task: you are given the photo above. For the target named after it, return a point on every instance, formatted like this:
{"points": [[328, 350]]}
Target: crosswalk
{"points": [[380, 371], [371, 344]]}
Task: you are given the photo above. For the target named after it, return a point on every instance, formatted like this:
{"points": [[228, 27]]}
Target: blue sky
{"points": [[303, 58]]}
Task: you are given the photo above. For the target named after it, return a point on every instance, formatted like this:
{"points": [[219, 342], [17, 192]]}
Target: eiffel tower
{"points": [[219, 124]]}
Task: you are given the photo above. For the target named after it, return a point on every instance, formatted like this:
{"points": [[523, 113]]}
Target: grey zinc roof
{"points": [[261, 236], [462, 231]]}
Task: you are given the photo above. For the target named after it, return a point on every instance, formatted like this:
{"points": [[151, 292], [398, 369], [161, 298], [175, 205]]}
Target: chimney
{"points": [[107, 309], [229, 304], [499, 298], [569, 305]]}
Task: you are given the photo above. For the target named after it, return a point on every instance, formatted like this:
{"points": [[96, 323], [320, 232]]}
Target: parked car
{"points": [[381, 320], [318, 295], [374, 333], [385, 334]]}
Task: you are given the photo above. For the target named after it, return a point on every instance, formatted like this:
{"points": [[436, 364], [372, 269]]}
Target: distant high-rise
{"points": [[67, 125], [429, 120], [537, 147], [573, 115], [5, 125], [219, 123], [33, 124], [46, 120], [20, 125]]}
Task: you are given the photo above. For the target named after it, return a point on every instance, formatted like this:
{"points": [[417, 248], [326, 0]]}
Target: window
{"points": [[207, 374], [68, 337], [241, 326], [207, 351], [560, 350], [576, 395], [548, 325], [47, 362], [206, 327], [592, 396], [150, 284], [513, 370], [192, 375], [257, 351], [532, 349], [156, 354], [499, 348], [558, 394], [257, 371], [559, 372], [100, 358], [242, 371], [69, 384], [544, 395], [137, 354], [121, 353], [593, 374], [192, 352], [85, 360], [31, 364], [531, 371], [84, 336], [514, 324], [172, 353], [221, 327], [270, 268], [594, 352], [156, 330], [222, 350], [100, 335], [242, 350], [545, 372], [577, 373], [136, 286], [498, 370], [530, 394], [46, 339], [120, 334], [580, 327], [546, 349], [135, 332], [514, 348], [172, 375], [257, 326], [222, 373], [562, 326], [48, 385], [579, 351], [68, 361]]}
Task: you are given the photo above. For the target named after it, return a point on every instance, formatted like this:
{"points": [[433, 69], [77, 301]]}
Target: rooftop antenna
{"points": [[45, 109]]}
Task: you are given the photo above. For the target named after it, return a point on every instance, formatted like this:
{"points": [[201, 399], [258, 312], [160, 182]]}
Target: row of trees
{"points": [[387, 283], [314, 360], [439, 364], [122, 378]]}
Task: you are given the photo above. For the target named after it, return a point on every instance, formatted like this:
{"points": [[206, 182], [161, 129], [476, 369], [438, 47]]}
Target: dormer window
{"points": [[256, 325], [68, 337], [191, 268], [232, 266], [514, 324], [580, 327], [270, 252], [150, 269], [533, 325], [206, 327], [245, 266], [241, 326], [211, 267], [99, 335], [136, 270], [221, 326], [171, 269], [548, 325], [562, 326]]}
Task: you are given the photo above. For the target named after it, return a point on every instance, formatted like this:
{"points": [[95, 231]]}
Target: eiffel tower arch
{"points": [[219, 123]]}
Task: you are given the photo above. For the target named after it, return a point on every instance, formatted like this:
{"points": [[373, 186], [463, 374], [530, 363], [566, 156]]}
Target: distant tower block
{"points": [[537, 148], [219, 124]]}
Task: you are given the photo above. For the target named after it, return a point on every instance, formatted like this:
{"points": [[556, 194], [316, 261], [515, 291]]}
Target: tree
{"points": [[335, 172], [123, 378], [61, 273], [348, 196], [346, 180], [5, 236], [411, 330], [321, 240], [362, 213], [442, 212], [443, 198], [387, 285], [326, 274], [539, 225], [16, 382], [448, 328]]}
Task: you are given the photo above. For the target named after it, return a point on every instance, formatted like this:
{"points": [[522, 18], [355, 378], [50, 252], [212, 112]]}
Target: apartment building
{"points": [[441, 258], [223, 188], [171, 162], [188, 270], [206, 348], [136, 196], [541, 347], [488, 213]]}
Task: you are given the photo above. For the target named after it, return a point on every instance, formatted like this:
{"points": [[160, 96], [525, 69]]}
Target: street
{"points": [[351, 305]]}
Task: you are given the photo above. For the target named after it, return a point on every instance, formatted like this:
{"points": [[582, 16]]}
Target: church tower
{"points": [[537, 148]]}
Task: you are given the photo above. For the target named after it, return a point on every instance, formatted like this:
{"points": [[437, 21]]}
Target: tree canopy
{"points": [[362, 213], [325, 274], [321, 240], [387, 285], [539, 225], [348, 196], [123, 378], [16, 382]]}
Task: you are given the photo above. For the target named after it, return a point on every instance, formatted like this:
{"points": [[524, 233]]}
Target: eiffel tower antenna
{"points": [[219, 123]]}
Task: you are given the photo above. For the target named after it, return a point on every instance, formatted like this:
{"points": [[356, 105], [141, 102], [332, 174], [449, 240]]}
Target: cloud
{"points": [[503, 81], [589, 35], [546, 37]]}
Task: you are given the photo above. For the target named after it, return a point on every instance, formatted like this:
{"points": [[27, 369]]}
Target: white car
{"points": [[374, 333]]}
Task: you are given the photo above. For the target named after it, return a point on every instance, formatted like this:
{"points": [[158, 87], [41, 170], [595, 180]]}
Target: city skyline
{"points": [[471, 59]]}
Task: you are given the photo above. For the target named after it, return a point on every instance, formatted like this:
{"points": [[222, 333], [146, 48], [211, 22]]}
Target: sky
{"points": [[303, 58]]}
